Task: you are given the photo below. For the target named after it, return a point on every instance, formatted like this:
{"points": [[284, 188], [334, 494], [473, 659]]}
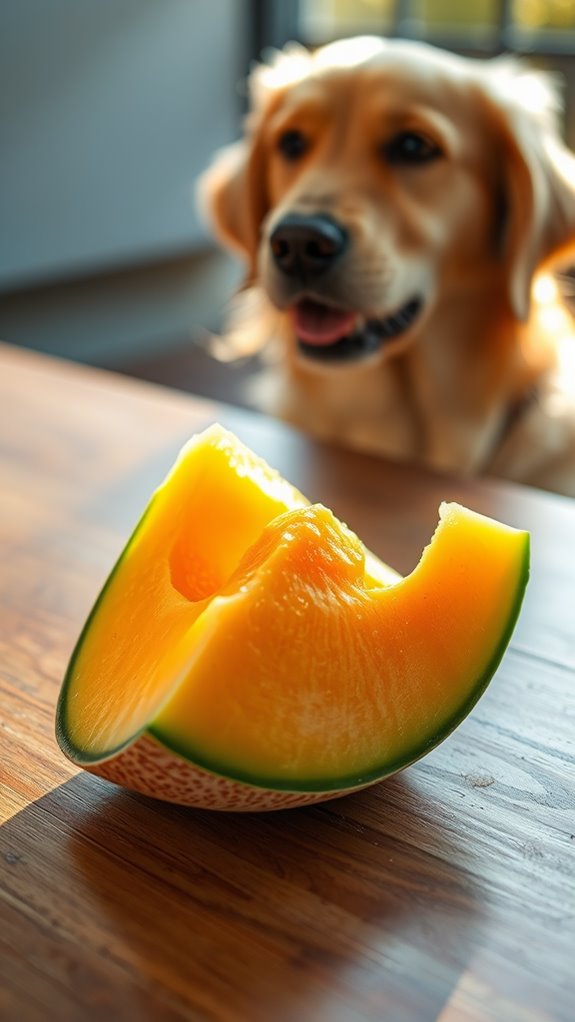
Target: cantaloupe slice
{"points": [[248, 653]]}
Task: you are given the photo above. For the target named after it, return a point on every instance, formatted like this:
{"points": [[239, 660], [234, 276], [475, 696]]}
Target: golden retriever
{"points": [[394, 205]]}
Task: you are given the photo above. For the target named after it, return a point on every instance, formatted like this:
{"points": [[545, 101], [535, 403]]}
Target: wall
{"points": [[108, 110]]}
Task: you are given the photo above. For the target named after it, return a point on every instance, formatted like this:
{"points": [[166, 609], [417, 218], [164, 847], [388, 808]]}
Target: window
{"points": [[541, 30], [476, 25]]}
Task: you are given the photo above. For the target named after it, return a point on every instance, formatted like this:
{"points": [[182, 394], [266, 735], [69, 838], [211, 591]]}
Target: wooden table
{"points": [[447, 892]]}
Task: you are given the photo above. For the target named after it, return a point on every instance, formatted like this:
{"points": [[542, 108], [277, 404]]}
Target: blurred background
{"points": [[109, 109]]}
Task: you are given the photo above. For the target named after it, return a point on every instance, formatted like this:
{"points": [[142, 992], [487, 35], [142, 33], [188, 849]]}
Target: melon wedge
{"points": [[247, 652]]}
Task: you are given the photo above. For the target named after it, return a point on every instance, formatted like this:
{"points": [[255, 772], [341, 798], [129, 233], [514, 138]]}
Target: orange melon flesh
{"points": [[303, 669], [211, 507], [251, 635]]}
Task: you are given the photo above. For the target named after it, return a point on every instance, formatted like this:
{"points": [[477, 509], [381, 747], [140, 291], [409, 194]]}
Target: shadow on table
{"points": [[364, 907]]}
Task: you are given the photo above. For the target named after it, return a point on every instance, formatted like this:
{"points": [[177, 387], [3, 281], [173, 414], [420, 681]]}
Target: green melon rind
{"points": [[82, 758], [385, 769], [73, 752]]}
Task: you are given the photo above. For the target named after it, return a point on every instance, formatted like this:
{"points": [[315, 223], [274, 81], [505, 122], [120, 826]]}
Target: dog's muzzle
{"points": [[304, 249]]}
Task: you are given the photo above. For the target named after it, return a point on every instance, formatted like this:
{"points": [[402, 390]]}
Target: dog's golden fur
{"points": [[484, 380]]}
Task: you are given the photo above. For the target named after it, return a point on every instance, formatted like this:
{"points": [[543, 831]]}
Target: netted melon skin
{"points": [[149, 768]]}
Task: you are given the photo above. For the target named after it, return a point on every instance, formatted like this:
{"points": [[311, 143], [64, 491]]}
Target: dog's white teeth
{"points": [[399, 321]]}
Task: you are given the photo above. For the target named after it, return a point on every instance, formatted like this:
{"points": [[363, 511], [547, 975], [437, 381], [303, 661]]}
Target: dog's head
{"points": [[376, 176]]}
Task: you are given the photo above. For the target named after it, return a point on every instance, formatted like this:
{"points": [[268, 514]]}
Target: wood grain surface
{"points": [[446, 893]]}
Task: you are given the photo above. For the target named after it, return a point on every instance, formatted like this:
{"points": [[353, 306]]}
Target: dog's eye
{"points": [[411, 147], [292, 144]]}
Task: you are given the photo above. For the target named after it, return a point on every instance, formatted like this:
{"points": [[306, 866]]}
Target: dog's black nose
{"points": [[307, 245]]}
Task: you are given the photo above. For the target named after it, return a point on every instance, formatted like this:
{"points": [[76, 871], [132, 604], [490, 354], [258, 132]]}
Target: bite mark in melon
{"points": [[247, 652]]}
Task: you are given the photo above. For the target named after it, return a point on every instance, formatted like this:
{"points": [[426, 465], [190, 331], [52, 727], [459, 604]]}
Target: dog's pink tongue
{"points": [[319, 324]]}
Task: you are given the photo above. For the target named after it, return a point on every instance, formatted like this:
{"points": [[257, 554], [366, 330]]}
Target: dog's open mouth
{"points": [[331, 334]]}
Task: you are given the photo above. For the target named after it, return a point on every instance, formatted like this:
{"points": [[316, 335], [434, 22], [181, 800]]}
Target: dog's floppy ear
{"points": [[538, 175], [232, 191]]}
